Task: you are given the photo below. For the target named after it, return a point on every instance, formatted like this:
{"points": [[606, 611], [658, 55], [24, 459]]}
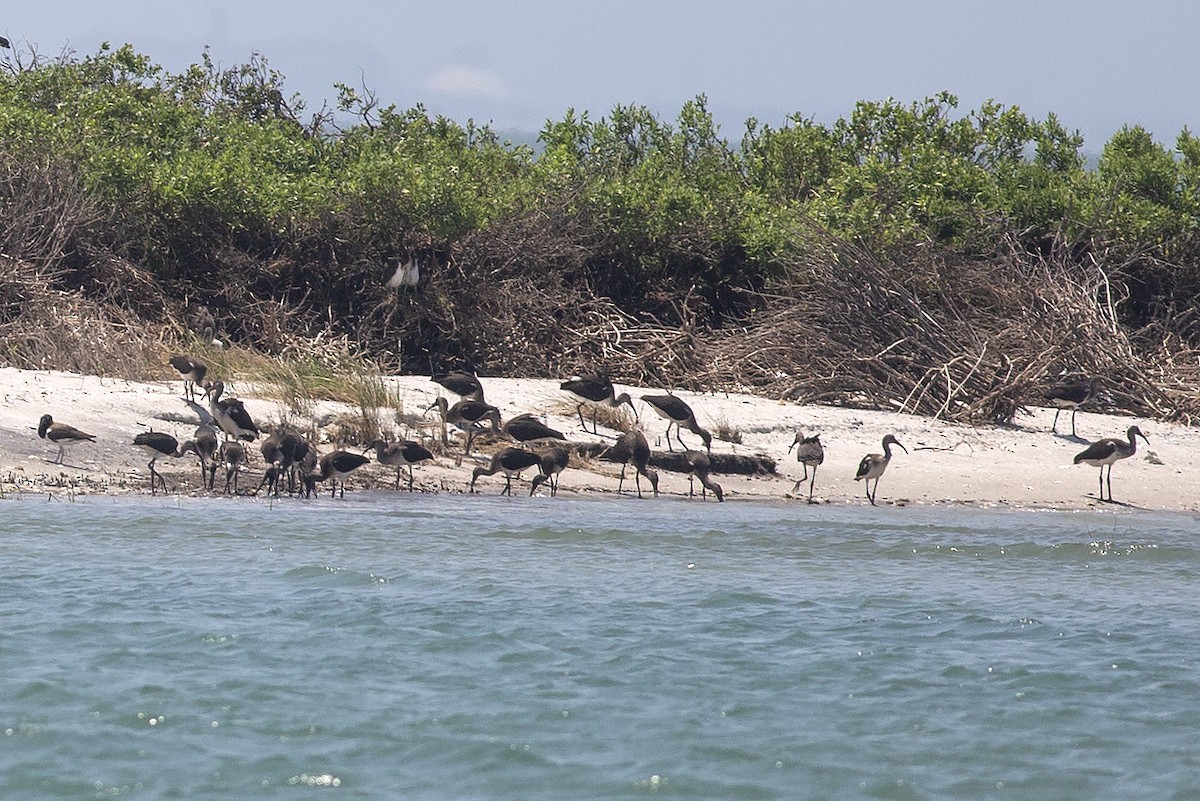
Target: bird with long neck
{"points": [[233, 456], [404, 453], [61, 435], [204, 444], [192, 370], [596, 391], [231, 415], [678, 414], [699, 467], [810, 453], [156, 444], [338, 465], [469, 416], [511, 462], [1070, 393], [553, 462], [1108, 451], [632, 448], [873, 465]]}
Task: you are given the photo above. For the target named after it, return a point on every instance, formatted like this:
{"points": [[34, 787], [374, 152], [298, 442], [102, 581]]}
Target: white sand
{"points": [[1021, 466]]}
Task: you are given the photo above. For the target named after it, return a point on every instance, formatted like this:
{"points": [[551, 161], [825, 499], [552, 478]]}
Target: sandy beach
{"points": [[1021, 466]]}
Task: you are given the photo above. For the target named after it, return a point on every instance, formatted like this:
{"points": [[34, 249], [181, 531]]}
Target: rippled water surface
{"points": [[457, 647]]}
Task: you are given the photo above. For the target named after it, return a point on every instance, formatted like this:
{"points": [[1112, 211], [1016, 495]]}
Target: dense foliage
{"points": [[622, 243]]}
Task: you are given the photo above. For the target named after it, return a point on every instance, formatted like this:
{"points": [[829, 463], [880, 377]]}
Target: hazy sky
{"points": [[1096, 64]]}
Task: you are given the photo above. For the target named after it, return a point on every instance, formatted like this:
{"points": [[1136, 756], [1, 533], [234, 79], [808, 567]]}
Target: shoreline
{"points": [[1023, 466]]}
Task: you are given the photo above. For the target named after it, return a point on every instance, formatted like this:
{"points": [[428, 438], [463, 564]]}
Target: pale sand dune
{"points": [[1019, 466]]}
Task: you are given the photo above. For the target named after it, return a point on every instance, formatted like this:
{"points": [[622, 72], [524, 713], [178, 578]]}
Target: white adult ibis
{"points": [[1070, 393], [1107, 451], [632, 448], [595, 391], [678, 414], [511, 462], [231, 415], [552, 463], [61, 435], [873, 465], [338, 465], [404, 453], [809, 453], [463, 384], [700, 467], [156, 444], [526, 428], [192, 370], [468, 416]]}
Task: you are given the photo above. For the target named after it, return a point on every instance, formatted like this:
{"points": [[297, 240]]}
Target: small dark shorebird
{"points": [[1070, 393], [511, 462], [595, 391], [61, 435], [404, 453], [809, 453], [156, 444], [468, 416], [337, 465], [632, 448], [678, 414], [463, 384], [1106, 452], [552, 463], [192, 370], [873, 465], [700, 468]]}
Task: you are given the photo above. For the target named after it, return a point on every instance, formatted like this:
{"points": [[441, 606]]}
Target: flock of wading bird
{"points": [[291, 460]]}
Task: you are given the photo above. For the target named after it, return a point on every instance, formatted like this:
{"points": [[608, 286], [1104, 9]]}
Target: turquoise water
{"points": [[478, 647]]}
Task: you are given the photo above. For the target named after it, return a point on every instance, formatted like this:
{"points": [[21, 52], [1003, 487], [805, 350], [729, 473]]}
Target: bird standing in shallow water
{"points": [[510, 461], [809, 453], [233, 454], [61, 435], [632, 448], [338, 466], [553, 462], [678, 414], [204, 444], [700, 467], [1106, 452], [157, 444], [404, 453], [595, 391], [873, 465]]}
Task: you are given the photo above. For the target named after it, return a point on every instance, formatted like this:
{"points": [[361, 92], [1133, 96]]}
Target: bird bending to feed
{"points": [[337, 465], [873, 465], [632, 448], [810, 453], [231, 415], [404, 453], [677, 414], [192, 370], [1070, 393], [510, 461], [595, 391], [1106, 451], [700, 467], [61, 435], [463, 384], [526, 428], [553, 462], [157, 444], [468, 416]]}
